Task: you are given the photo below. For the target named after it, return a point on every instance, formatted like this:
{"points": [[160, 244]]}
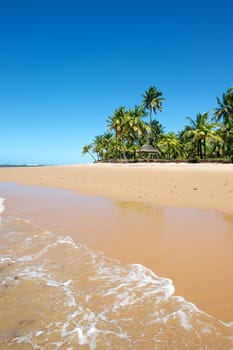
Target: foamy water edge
{"points": [[2, 206], [124, 283]]}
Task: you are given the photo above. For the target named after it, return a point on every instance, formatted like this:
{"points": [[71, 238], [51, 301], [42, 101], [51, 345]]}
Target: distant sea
{"points": [[21, 165]]}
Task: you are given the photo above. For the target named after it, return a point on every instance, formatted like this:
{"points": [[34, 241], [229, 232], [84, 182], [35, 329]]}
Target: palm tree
{"points": [[101, 145], [200, 131], [152, 101], [171, 144], [116, 122], [157, 130], [225, 131], [110, 147], [107, 142], [225, 109], [136, 126], [187, 142], [98, 146], [87, 150], [225, 112]]}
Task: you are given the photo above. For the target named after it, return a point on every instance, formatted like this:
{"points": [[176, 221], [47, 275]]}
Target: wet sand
{"points": [[203, 186], [192, 247]]}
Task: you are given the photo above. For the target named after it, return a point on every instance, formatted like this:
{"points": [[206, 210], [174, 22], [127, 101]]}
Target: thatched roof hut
{"points": [[149, 149]]}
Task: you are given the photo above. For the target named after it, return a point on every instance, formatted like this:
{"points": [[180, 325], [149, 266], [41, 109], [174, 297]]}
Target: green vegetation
{"points": [[130, 137]]}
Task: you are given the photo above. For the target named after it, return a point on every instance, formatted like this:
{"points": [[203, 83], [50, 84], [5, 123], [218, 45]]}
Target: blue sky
{"points": [[66, 65]]}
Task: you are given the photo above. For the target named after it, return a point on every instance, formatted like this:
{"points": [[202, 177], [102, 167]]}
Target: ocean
{"points": [[59, 293]]}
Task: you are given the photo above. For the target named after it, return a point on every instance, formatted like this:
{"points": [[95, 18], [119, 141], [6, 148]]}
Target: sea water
{"points": [[58, 294]]}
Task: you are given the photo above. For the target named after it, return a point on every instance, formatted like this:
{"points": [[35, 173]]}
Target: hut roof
{"points": [[149, 149]]}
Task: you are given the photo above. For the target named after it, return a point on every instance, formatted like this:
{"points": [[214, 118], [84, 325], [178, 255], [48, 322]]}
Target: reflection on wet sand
{"points": [[191, 247]]}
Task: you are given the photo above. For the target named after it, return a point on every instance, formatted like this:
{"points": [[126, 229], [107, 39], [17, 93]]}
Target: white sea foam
{"points": [[7, 259], [2, 200], [99, 299], [2, 207]]}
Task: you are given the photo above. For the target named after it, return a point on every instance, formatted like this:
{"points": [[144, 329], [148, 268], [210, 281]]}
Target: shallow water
{"points": [[59, 294]]}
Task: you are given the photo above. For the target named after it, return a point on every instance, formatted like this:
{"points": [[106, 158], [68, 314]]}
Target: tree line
{"points": [[136, 134]]}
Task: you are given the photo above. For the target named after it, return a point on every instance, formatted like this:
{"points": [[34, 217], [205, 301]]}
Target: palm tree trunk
{"points": [[123, 148], [150, 137], [116, 145], [200, 149], [204, 143], [228, 145], [92, 156]]}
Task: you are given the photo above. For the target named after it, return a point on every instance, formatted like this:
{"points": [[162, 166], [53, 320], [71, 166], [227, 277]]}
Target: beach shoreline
{"points": [[202, 186], [175, 219]]}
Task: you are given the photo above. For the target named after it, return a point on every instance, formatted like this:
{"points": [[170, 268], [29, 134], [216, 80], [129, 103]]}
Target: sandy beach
{"points": [[203, 186], [194, 245]]}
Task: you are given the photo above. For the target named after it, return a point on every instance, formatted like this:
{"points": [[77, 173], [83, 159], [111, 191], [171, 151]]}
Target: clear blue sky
{"points": [[65, 65]]}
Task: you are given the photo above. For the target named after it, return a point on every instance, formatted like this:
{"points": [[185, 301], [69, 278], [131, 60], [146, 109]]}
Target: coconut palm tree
{"points": [[225, 131], [187, 142], [152, 101], [117, 122], [87, 150], [107, 142], [98, 146], [157, 130], [136, 126], [224, 112], [225, 109], [106, 145], [171, 145], [201, 131], [101, 145]]}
